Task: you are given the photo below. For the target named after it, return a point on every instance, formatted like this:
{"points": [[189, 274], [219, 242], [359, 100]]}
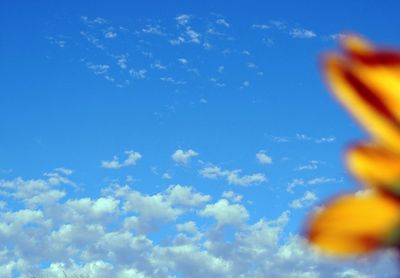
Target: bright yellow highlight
{"points": [[375, 166], [355, 224], [367, 82], [369, 89]]}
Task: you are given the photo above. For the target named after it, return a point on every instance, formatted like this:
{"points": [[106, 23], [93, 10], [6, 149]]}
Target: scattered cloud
{"points": [[314, 181], [153, 29], [183, 157], [222, 22], [312, 165], [308, 199], [263, 158], [232, 196], [325, 140], [98, 69], [260, 26], [232, 176], [183, 19], [302, 33], [115, 163], [304, 137], [138, 74], [110, 35]]}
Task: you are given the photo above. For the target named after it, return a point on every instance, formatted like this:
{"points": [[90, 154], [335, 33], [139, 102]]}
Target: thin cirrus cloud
{"points": [[115, 163]]}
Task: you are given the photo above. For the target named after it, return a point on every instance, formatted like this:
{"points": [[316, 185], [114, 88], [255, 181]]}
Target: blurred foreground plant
{"points": [[367, 82]]}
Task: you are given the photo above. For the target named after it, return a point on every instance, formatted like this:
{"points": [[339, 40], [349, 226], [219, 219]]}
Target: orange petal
{"points": [[375, 166], [353, 225], [368, 84]]}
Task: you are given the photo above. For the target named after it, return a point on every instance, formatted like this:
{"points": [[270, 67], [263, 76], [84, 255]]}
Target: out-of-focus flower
{"points": [[367, 82]]}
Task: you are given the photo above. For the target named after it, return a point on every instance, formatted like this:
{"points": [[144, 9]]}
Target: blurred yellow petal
{"points": [[370, 93], [375, 166], [353, 225], [356, 46]]}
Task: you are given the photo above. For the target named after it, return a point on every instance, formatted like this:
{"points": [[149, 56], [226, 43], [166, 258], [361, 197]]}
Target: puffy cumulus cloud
{"points": [[115, 163], [184, 195], [232, 176], [232, 196], [108, 236], [225, 213], [183, 157], [263, 158], [150, 212]]}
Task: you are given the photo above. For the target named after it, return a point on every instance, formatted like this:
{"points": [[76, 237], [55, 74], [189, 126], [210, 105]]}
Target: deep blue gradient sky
{"points": [[84, 81]]}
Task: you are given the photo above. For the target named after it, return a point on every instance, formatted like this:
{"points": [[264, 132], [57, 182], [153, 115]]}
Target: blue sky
{"points": [[194, 133]]}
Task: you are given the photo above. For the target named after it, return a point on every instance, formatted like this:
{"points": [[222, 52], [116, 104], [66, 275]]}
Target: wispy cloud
{"points": [[312, 165], [153, 29], [138, 74], [302, 33], [314, 181], [232, 176], [223, 22], [308, 199]]}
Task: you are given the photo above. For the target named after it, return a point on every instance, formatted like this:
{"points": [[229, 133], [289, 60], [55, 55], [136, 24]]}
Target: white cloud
{"points": [[138, 74], [193, 36], [222, 22], [303, 137], [153, 29], [108, 237], [294, 183], [322, 180], [308, 199], [98, 69], [233, 176], [183, 157], [263, 158], [184, 195], [183, 61], [115, 163], [179, 40], [302, 33], [166, 176], [232, 196], [172, 81], [325, 139], [110, 35], [312, 165], [225, 213], [260, 26], [183, 19], [314, 181], [158, 66]]}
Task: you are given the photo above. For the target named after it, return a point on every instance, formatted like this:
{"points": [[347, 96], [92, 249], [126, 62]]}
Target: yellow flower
{"points": [[367, 82]]}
